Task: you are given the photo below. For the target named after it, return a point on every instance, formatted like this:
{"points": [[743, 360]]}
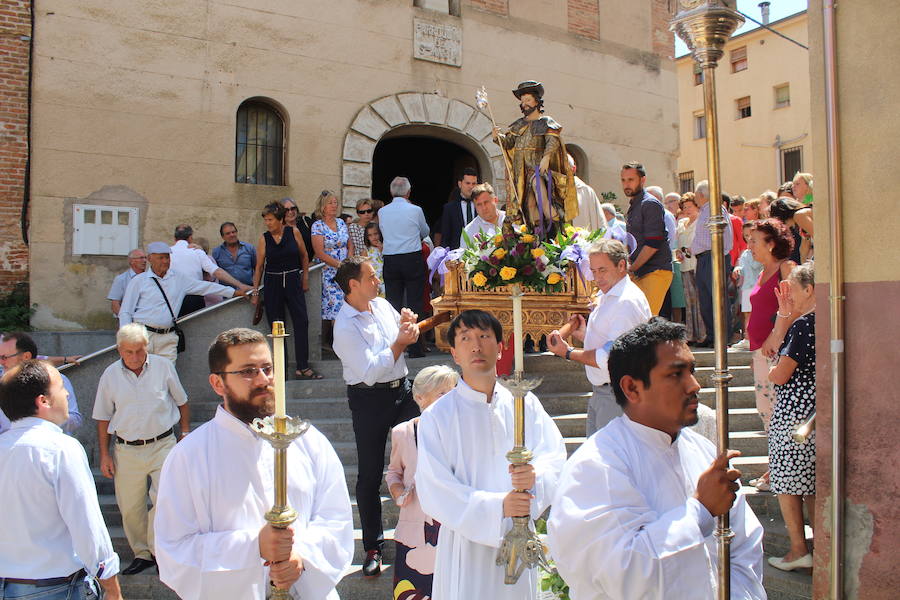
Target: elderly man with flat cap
{"points": [[543, 194], [154, 298]]}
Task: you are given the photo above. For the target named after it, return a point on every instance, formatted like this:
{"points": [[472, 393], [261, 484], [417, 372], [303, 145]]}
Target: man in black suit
{"points": [[458, 211]]}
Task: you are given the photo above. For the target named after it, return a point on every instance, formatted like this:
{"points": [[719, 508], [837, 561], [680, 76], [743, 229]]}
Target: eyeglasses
{"points": [[8, 356], [250, 372], [291, 209], [368, 211]]}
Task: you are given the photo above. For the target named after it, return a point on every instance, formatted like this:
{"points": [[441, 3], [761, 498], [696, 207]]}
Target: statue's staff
{"points": [[481, 100]]}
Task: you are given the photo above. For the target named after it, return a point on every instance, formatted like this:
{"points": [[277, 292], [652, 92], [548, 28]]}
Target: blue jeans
{"points": [[77, 589]]}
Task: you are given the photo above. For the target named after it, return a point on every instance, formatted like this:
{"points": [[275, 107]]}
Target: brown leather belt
{"points": [[386, 385], [164, 434], [160, 331], [46, 582]]}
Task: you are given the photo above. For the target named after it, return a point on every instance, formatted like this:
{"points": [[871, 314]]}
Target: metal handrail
{"points": [[180, 320]]}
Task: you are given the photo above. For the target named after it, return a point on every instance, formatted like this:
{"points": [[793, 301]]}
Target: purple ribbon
{"points": [[620, 234], [538, 180], [437, 261], [577, 255]]}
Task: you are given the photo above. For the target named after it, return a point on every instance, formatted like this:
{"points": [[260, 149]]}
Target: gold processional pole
{"points": [[280, 430], [521, 548], [705, 26]]}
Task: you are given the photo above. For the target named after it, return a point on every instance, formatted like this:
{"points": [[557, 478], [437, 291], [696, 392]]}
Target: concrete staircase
{"points": [[564, 394]]}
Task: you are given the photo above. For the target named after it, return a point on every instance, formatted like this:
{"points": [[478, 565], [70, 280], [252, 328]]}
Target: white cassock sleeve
{"points": [[542, 437], [477, 515], [193, 563], [599, 517], [326, 542]]}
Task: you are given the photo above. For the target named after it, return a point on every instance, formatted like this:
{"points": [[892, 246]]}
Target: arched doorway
{"points": [[426, 137], [432, 166]]}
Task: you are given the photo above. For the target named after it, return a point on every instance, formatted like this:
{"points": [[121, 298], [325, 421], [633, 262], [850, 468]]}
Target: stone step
{"points": [[739, 419], [743, 396], [750, 443], [787, 585], [751, 467], [776, 541], [356, 587]]}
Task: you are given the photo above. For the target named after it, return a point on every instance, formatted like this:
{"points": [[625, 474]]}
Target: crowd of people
{"points": [[450, 429]]}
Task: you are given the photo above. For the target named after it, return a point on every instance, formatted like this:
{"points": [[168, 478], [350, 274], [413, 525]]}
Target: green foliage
{"points": [[15, 313], [551, 581], [609, 196]]}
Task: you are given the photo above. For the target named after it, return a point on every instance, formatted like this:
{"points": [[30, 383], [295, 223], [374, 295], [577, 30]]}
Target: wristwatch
{"points": [[569, 353]]}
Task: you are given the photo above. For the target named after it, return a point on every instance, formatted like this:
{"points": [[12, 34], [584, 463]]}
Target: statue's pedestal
{"points": [[541, 312]]}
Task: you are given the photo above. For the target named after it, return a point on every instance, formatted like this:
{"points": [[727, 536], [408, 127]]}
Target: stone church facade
{"points": [[147, 115]]}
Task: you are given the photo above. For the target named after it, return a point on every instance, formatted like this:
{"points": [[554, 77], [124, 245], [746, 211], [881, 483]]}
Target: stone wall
{"points": [[15, 51]]}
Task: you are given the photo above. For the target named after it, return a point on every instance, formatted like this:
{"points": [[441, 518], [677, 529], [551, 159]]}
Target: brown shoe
{"points": [[372, 565]]}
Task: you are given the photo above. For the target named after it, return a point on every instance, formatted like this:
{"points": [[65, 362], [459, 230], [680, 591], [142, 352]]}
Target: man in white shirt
{"points": [[137, 264], [139, 400], [590, 216], [53, 535], [17, 347], [489, 219], [463, 478], [701, 248], [369, 339], [619, 306], [211, 535], [193, 263], [403, 228], [633, 515], [145, 303]]}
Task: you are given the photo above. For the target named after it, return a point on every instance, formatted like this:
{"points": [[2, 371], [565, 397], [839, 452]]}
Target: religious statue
{"points": [[540, 182]]}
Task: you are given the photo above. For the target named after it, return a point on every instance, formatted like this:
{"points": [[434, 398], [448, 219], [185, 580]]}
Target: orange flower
{"points": [[507, 273], [537, 252], [479, 279], [554, 278], [500, 253], [527, 238]]}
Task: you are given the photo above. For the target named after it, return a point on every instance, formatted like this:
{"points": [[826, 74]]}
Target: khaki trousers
{"points": [[163, 344], [134, 464], [655, 284]]}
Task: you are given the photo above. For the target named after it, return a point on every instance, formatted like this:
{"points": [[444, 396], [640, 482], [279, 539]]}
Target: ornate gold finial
{"points": [[278, 329]]}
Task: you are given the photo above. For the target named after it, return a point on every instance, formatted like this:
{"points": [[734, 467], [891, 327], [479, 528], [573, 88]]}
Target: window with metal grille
{"points": [[782, 95], [699, 126], [743, 107], [686, 182], [259, 147], [791, 162], [739, 59], [698, 75]]}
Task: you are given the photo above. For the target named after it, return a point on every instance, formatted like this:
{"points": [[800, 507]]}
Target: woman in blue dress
{"points": [[332, 244]]}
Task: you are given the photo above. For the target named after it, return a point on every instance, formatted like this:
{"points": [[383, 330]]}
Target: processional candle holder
{"points": [[521, 548], [280, 431], [705, 26]]}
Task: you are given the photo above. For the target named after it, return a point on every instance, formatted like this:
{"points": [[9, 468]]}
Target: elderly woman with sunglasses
{"points": [[293, 218], [357, 230]]}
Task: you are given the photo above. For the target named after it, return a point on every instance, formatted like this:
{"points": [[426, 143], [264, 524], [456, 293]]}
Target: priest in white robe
{"points": [[212, 541], [634, 513], [463, 478]]}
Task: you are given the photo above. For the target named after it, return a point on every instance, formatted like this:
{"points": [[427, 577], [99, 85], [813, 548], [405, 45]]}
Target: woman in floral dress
{"points": [[331, 242]]}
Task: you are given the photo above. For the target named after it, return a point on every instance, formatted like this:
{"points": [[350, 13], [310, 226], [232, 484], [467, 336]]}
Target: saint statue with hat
{"points": [[541, 184]]}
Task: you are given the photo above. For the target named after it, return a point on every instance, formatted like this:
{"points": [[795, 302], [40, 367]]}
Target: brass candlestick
{"points": [[280, 432], [705, 26], [521, 548]]}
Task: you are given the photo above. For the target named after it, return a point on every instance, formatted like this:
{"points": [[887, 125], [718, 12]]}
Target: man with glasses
{"points": [[139, 400], [211, 535], [137, 264], [17, 347]]}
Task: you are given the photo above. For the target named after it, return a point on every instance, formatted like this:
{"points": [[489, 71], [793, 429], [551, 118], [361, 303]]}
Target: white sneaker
{"points": [[741, 345], [804, 562]]}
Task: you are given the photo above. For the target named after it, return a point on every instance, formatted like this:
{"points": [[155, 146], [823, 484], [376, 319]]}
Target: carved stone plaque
{"points": [[437, 42]]}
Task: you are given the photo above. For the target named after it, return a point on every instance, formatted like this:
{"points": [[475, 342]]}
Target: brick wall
{"points": [[15, 24], [584, 18], [663, 39], [500, 7]]}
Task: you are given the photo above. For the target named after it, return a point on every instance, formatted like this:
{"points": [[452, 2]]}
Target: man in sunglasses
{"points": [[139, 400], [216, 486]]}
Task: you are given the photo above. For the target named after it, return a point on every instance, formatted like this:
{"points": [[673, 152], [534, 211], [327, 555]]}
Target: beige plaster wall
{"points": [[138, 100], [750, 162]]}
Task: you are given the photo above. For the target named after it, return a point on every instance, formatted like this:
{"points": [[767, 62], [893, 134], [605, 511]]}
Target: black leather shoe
{"points": [[372, 565], [139, 565]]}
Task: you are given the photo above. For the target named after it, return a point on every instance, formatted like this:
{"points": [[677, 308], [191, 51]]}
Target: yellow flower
{"points": [[537, 252], [479, 279], [527, 238], [569, 230], [500, 253], [552, 278], [523, 228], [507, 273], [498, 238]]}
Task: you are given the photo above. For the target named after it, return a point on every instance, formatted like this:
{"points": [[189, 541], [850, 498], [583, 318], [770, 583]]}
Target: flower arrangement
{"points": [[518, 257]]}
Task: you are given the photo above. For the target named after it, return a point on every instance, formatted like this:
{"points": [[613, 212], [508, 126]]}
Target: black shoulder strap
{"points": [[169, 306]]}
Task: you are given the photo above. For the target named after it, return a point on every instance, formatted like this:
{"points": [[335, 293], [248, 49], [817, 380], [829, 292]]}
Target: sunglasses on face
{"points": [[365, 212], [292, 209]]}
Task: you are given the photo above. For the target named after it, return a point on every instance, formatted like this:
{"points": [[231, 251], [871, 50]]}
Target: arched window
{"points": [[260, 145]]}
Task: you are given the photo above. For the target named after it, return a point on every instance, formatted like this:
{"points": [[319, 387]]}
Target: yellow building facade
{"points": [[763, 104], [147, 115]]}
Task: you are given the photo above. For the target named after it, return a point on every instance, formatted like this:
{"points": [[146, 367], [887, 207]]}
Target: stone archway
{"points": [[427, 114]]}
